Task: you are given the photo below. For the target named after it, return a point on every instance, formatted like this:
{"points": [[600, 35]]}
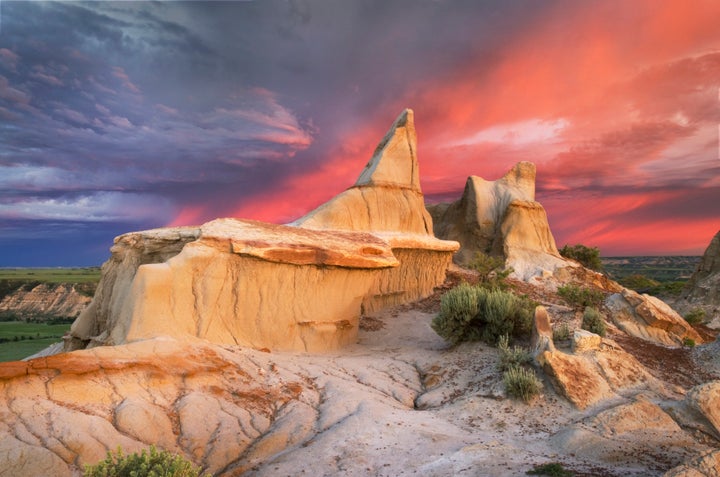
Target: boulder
{"points": [[241, 282], [387, 201], [501, 218], [595, 372], [650, 319], [583, 341], [705, 399]]}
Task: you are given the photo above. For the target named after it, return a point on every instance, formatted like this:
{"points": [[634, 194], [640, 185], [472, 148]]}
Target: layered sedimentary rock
{"points": [[650, 319], [501, 218], [387, 200], [596, 370], [703, 289], [241, 282], [44, 301], [293, 287]]}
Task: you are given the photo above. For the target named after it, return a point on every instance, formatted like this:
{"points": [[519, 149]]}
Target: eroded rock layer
{"points": [[245, 282], [501, 218]]}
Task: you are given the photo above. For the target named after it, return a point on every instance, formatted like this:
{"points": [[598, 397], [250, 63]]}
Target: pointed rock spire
{"points": [[394, 162]]}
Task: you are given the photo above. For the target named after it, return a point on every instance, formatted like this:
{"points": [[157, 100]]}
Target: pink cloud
{"points": [[9, 59]]}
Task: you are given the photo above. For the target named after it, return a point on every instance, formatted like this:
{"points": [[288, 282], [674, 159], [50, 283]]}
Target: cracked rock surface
{"points": [[399, 402]]}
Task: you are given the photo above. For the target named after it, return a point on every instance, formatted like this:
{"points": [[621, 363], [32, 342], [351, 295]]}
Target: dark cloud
{"points": [[125, 115]]}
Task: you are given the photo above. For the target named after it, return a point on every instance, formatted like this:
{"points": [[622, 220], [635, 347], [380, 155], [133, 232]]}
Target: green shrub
{"points": [[695, 316], [593, 321], [471, 313], [521, 383], [553, 469], [580, 297], [589, 257], [689, 342], [512, 357], [491, 270], [145, 464], [561, 333]]}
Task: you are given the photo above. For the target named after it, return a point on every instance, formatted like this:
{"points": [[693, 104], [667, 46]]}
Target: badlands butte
{"points": [[307, 349]]}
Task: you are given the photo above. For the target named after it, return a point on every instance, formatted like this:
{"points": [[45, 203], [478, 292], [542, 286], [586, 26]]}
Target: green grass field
{"points": [[42, 336], [51, 275]]}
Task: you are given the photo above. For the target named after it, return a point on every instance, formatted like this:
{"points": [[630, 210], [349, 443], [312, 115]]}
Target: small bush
{"points": [[512, 357], [589, 257], [521, 383], [491, 269], [145, 464], [553, 469], [689, 342], [695, 316], [580, 297], [593, 321], [471, 313], [561, 333]]}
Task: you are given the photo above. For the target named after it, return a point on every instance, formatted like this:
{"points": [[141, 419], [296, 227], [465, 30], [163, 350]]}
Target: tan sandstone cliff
{"points": [[45, 300], [283, 287], [501, 218]]}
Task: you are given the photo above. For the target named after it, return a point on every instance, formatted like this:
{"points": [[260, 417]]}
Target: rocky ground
{"points": [[399, 402]]}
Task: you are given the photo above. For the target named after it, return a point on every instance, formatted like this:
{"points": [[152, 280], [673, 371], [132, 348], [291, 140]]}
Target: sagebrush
{"points": [[521, 383], [149, 463], [580, 297], [471, 313], [512, 356], [695, 316], [593, 321]]}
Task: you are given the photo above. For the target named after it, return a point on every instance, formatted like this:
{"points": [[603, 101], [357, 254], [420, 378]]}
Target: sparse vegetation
{"points": [[695, 316], [552, 469], [512, 356], [491, 270], [593, 321], [642, 284], [471, 313], [146, 464], [521, 383], [689, 342], [561, 333], [589, 257], [580, 297]]}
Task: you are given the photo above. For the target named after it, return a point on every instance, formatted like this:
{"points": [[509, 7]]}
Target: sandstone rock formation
{"points": [[703, 289], [44, 301], [501, 218], [706, 465], [649, 318], [639, 432], [387, 201], [705, 399], [596, 370], [300, 287], [238, 283]]}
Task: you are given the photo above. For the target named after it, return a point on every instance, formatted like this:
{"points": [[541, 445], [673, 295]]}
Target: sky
{"points": [[123, 116]]}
